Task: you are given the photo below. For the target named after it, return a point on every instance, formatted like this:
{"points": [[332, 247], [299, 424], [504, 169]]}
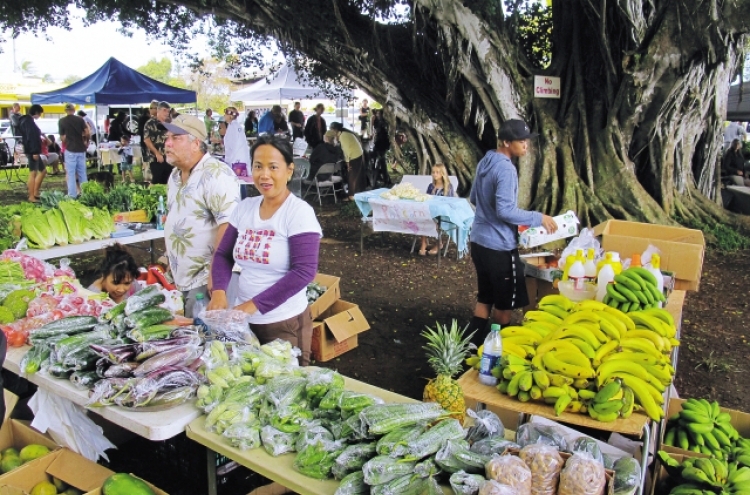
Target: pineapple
{"points": [[446, 350]]}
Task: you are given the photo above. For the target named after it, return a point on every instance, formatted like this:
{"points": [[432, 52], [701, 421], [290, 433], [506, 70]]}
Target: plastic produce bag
{"points": [[244, 436], [290, 419], [512, 471], [486, 424], [229, 325], [588, 445], [317, 458], [430, 441], [285, 391], [319, 382], [627, 476], [531, 433], [455, 456], [582, 475], [493, 445], [492, 487], [68, 425], [584, 241], [396, 443], [353, 484], [282, 350], [382, 469], [352, 459], [382, 419], [311, 432], [463, 483], [277, 442], [404, 485], [545, 464], [269, 368], [352, 403]]}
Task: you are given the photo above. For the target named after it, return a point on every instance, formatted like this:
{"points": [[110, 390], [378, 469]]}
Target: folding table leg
{"points": [[211, 470]]}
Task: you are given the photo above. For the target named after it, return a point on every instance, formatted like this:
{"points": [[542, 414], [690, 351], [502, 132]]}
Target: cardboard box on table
{"points": [[337, 329], [740, 421], [681, 249], [66, 465], [542, 266], [135, 216], [156, 490], [330, 296]]}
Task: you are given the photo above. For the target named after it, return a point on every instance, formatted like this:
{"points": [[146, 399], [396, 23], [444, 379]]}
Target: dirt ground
{"points": [[400, 294]]}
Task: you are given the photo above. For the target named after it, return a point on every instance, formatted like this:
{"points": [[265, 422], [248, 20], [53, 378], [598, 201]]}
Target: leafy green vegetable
{"points": [[8, 235], [57, 224], [93, 195], [77, 219], [102, 224], [35, 227], [50, 199], [11, 272]]}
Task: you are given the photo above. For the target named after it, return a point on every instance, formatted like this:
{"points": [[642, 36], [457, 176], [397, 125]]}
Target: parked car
{"points": [[49, 127]]}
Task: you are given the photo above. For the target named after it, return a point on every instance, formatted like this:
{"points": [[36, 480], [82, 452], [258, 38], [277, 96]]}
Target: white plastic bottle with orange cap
{"points": [[655, 269]]}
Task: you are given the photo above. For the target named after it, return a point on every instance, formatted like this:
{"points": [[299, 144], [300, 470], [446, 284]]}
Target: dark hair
{"points": [[278, 142], [121, 115], [119, 263], [36, 109], [163, 104], [81, 113]]}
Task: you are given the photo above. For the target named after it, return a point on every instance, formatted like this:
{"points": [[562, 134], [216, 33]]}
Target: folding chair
{"points": [[303, 165], [324, 187]]}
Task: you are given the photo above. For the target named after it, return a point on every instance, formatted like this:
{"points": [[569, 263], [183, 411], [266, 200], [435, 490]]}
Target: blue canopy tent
{"points": [[114, 83]]}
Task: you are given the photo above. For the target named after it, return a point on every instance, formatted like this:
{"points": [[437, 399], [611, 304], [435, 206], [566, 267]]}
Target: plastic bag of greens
{"points": [[317, 458], [352, 403], [277, 442], [426, 468], [396, 443], [269, 369], [282, 350], [353, 484], [319, 382], [463, 483], [244, 436], [430, 441], [226, 414], [290, 419], [455, 456], [627, 476], [285, 391], [486, 424], [353, 429], [531, 433], [229, 325], [384, 418], [352, 459], [588, 445], [382, 469], [311, 432], [330, 400], [493, 445], [403, 485]]}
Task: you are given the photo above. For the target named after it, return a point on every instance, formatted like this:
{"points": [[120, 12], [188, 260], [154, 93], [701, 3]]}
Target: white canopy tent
{"points": [[284, 85]]}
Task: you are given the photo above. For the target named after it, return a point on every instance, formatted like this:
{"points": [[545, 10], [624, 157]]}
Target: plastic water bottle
{"points": [[161, 214], [200, 305], [492, 351], [606, 277]]}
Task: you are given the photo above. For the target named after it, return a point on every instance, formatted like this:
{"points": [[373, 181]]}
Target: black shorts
{"points": [[36, 165], [500, 278]]}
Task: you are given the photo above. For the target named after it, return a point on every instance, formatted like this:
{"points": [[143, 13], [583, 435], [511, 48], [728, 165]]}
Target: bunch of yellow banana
{"points": [[589, 357], [634, 289], [701, 427]]}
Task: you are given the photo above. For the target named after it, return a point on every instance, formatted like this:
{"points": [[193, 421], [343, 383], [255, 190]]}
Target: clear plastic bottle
{"points": [[655, 269], [161, 214], [493, 350], [606, 277], [577, 275], [590, 266], [200, 305]]}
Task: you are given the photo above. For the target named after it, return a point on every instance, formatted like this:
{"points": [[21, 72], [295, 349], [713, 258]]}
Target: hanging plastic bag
{"points": [[486, 424], [466, 484], [585, 241]]}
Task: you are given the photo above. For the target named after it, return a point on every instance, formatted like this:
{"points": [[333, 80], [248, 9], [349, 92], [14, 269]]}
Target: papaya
{"points": [[44, 488], [125, 484], [9, 463], [10, 451], [33, 451]]}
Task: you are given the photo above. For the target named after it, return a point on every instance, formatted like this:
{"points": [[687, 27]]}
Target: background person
{"points": [[126, 158], [74, 133], [202, 193], [155, 135], [364, 117], [733, 164], [440, 186], [275, 239], [53, 155], [236, 149], [353, 153], [251, 124], [297, 121], [494, 234], [90, 123], [315, 128], [209, 121], [31, 138], [325, 152], [117, 274], [381, 145]]}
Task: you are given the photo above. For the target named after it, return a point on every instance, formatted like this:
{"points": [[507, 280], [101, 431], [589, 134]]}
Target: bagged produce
{"points": [[433, 486], [486, 424], [545, 464], [226, 414], [430, 441], [269, 368], [285, 391], [352, 403], [404, 485], [455, 456], [290, 419], [588, 445], [276, 442], [150, 296], [35, 358], [319, 382], [381, 419], [352, 429], [245, 435], [178, 356], [463, 483], [511, 471], [352, 459], [396, 442], [627, 476], [426, 469], [492, 487], [582, 475], [382, 469], [353, 484], [281, 350], [531, 433], [228, 325], [493, 445], [317, 458], [330, 400]]}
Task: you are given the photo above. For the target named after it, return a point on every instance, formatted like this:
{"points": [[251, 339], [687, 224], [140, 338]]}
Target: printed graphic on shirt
{"points": [[254, 245]]}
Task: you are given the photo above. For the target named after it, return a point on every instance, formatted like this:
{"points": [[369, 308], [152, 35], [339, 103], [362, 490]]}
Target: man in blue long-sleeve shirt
{"points": [[494, 235]]}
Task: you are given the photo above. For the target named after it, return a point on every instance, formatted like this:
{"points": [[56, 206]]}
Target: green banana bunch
{"points": [[701, 427], [634, 289]]}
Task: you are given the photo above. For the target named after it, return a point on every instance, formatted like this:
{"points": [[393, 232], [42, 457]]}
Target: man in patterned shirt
{"points": [[202, 193], [154, 137]]}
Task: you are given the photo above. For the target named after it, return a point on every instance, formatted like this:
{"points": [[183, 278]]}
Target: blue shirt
{"points": [[495, 195], [265, 124]]}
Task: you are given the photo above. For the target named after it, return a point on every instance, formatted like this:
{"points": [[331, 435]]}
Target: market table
{"points": [[453, 215], [278, 469], [95, 245], [154, 425]]}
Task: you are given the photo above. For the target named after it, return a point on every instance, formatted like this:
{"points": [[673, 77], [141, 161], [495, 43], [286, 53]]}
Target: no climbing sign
{"points": [[546, 87]]}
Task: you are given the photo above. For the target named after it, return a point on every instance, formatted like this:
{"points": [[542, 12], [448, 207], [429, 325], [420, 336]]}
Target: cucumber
{"points": [[117, 310], [152, 332], [148, 317], [150, 296], [70, 325], [75, 343]]}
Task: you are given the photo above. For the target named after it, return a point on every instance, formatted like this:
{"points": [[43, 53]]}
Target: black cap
{"points": [[336, 126], [515, 130]]}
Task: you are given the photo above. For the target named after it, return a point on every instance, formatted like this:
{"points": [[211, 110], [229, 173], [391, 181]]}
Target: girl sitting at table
{"points": [[441, 186], [117, 274]]}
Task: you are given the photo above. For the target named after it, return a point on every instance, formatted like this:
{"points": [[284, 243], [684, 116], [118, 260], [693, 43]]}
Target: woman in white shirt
{"points": [[236, 149]]}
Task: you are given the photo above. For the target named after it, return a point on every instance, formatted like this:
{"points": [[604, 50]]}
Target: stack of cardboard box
{"points": [[336, 323]]}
